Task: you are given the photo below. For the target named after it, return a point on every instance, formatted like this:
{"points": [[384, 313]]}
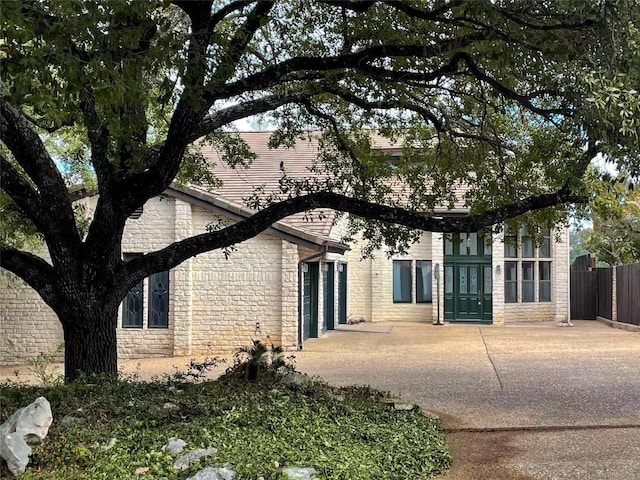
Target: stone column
{"points": [[182, 285], [290, 296], [437, 258], [497, 279]]}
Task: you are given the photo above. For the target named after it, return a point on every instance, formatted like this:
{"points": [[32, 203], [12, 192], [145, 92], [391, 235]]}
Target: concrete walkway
{"points": [[518, 402]]}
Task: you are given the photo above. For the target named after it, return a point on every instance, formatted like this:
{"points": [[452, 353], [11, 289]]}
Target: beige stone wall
{"points": [[231, 295], [28, 326], [382, 286], [359, 285]]}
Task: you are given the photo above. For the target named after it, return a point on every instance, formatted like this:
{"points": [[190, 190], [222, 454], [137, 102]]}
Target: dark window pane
{"points": [[132, 307], [472, 244], [510, 244], [527, 271], [544, 294], [448, 245], [487, 279], [511, 271], [545, 270], [448, 279], [159, 300], [527, 243], [462, 280], [423, 281], [132, 304], [545, 248], [463, 244], [487, 245], [402, 281], [511, 293], [510, 282]]}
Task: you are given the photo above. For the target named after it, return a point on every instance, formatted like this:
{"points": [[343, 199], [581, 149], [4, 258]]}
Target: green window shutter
{"points": [[159, 300]]}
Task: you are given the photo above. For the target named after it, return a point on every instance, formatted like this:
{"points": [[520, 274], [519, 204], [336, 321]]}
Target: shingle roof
{"points": [[265, 171], [240, 183]]}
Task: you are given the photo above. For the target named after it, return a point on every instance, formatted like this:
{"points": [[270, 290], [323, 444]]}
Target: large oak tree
{"points": [[512, 97]]}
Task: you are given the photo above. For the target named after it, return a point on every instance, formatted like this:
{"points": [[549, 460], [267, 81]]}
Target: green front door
{"points": [[467, 279], [310, 301]]}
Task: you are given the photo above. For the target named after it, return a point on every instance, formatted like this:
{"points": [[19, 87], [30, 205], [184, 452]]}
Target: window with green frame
{"points": [[402, 292], [467, 244]]}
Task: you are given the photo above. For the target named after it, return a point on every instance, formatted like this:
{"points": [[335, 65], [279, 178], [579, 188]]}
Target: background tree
{"points": [[615, 212], [511, 97]]}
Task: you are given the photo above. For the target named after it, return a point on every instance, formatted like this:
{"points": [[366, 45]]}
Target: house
{"points": [[297, 279]]}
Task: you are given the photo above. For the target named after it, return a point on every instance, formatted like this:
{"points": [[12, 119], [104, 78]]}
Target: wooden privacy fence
{"points": [[628, 293], [591, 294], [611, 293]]}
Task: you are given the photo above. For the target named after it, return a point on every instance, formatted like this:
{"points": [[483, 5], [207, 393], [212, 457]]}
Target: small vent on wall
{"points": [[136, 213]]}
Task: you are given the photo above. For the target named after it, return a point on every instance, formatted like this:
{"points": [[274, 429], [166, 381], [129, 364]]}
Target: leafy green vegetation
{"points": [[257, 427]]}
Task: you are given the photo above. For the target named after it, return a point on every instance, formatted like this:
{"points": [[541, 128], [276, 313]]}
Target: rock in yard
{"points": [[296, 379], [175, 446], [27, 425], [170, 406], [212, 473], [299, 473], [190, 458], [405, 407]]}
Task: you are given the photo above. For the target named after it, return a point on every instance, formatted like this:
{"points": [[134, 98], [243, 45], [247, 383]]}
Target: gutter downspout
{"points": [[322, 253]]}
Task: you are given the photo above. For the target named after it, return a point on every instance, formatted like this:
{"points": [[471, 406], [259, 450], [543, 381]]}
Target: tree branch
{"points": [[30, 153], [24, 196], [178, 252], [32, 269], [239, 42]]}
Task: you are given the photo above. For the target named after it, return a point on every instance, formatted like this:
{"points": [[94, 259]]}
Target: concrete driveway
{"points": [[518, 402], [532, 401]]}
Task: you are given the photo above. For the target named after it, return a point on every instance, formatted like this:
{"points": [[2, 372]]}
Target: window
{"points": [[133, 303], [531, 262], [465, 244], [158, 303], [527, 243], [511, 282], [423, 281], [402, 281], [510, 243], [528, 282], [544, 251], [159, 300], [545, 281]]}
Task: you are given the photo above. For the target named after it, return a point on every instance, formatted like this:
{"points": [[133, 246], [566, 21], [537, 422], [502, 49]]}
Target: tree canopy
{"points": [[511, 97], [615, 212]]}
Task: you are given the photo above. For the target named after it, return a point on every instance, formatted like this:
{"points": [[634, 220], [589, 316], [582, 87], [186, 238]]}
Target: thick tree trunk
{"points": [[90, 345]]}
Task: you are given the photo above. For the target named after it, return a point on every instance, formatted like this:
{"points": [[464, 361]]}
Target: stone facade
{"points": [[219, 301]]}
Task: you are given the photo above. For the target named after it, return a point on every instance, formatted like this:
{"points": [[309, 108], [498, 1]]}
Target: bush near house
{"points": [[258, 427]]}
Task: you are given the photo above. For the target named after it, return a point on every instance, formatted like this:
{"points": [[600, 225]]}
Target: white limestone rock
{"points": [[299, 473], [175, 446], [190, 458], [214, 473], [29, 425]]}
